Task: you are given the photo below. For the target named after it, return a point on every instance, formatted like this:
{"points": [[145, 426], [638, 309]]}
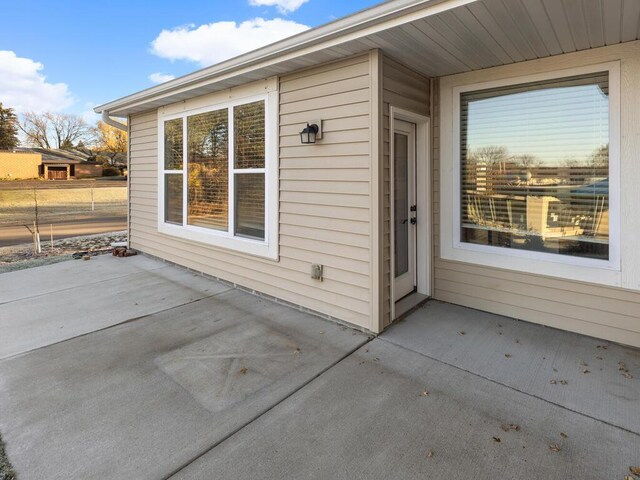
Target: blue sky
{"points": [[68, 56]]}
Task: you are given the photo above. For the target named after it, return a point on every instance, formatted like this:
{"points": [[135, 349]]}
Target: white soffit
{"points": [[433, 37]]}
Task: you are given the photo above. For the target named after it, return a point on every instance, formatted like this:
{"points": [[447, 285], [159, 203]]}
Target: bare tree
{"points": [[36, 129], [68, 129], [490, 155], [54, 130], [527, 161], [599, 159]]}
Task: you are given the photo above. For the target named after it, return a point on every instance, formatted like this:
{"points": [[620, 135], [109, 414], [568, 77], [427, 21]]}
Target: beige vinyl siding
{"points": [[324, 198], [406, 89], [600, 311]]}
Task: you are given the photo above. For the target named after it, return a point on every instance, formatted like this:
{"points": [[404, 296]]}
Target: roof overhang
{"points": [[434, 37]]}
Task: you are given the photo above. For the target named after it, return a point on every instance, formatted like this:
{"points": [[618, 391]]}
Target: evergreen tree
{"points": [[8, 129]]}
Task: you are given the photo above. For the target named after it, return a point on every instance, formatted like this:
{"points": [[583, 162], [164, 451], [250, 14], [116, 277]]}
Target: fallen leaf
{"points": [[508, 355], [321, 333], [586, 371], [628, 477], [554, 447], [627, 375], [510, 426], [244, 370], [462, 332], [424, 393], [496, 439], [564, 435], [584, 364], [563, 382], [553, 382], [622, 367], [297, 350], [635, 470], [598, 357], [430, 454]]}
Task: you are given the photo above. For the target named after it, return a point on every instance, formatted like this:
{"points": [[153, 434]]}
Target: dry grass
{"points": [[20, 257], [18, 205], [47, 197]]}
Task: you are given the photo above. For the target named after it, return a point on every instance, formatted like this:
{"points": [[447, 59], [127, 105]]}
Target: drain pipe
{"points": [[109, 121]]}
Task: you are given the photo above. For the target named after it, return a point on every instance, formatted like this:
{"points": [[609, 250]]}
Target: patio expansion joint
{"points": [[599, 420], [267, 410], [130, 320], [61, 290]]}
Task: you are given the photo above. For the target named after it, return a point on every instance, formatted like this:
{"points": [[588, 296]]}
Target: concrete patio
{"points": [[133, 368]]}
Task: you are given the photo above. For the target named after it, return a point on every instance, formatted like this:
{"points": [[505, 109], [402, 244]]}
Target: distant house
{"points": [[50, 164], [57, 168], [19, 165]]}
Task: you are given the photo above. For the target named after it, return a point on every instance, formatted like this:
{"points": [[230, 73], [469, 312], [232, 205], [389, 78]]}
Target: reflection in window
{"points": [[535, 166], [173, 144], [401, 202], [173, 198], [250, 205], [208, 164], [223, 173], [248, 121]]}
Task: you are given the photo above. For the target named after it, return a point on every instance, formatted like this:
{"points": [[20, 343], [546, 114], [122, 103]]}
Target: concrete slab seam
{"points": [[130, 320], [75, 288], [267, 410], [512, 388]]}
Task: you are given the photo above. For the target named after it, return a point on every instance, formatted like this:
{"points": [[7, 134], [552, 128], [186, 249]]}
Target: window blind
{"points": [[535, 166], [208, 167]]}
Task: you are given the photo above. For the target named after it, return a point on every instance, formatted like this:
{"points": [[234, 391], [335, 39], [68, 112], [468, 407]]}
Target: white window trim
{"points": [[575, 268], [267, 248]]}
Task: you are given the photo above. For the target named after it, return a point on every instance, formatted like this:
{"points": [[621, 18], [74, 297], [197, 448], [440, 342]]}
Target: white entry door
{"points": [[404, 208]]}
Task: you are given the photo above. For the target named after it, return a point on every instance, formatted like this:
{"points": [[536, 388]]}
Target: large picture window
{"points": [[216, 174], [534, 166]]}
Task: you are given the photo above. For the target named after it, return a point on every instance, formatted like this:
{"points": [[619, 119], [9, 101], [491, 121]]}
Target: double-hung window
{"points": [[218, 166], [536, 173]]}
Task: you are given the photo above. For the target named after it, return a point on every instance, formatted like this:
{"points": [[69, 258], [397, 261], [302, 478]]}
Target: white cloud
{"points": [[158, 77], [214, 42], [283, 6], [88, 114], [24, 88]]}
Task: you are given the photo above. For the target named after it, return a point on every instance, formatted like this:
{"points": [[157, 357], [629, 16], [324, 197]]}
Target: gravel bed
{"points": [[19, 257]]}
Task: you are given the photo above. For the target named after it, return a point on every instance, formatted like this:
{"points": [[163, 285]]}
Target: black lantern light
{"points": [[309, 134]]}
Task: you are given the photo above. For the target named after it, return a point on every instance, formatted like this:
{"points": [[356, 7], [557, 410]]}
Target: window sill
{"points": [[588, 270], [223, 240]]}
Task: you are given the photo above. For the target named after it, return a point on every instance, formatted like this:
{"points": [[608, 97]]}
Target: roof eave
{"points": [[358, 25]]}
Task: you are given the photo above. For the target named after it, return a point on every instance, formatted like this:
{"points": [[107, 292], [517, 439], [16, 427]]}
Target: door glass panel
{"points": [[401, 203]]}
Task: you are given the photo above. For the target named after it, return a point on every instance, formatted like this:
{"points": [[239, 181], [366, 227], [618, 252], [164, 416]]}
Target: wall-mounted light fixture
{"points": [[311, 133]]}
